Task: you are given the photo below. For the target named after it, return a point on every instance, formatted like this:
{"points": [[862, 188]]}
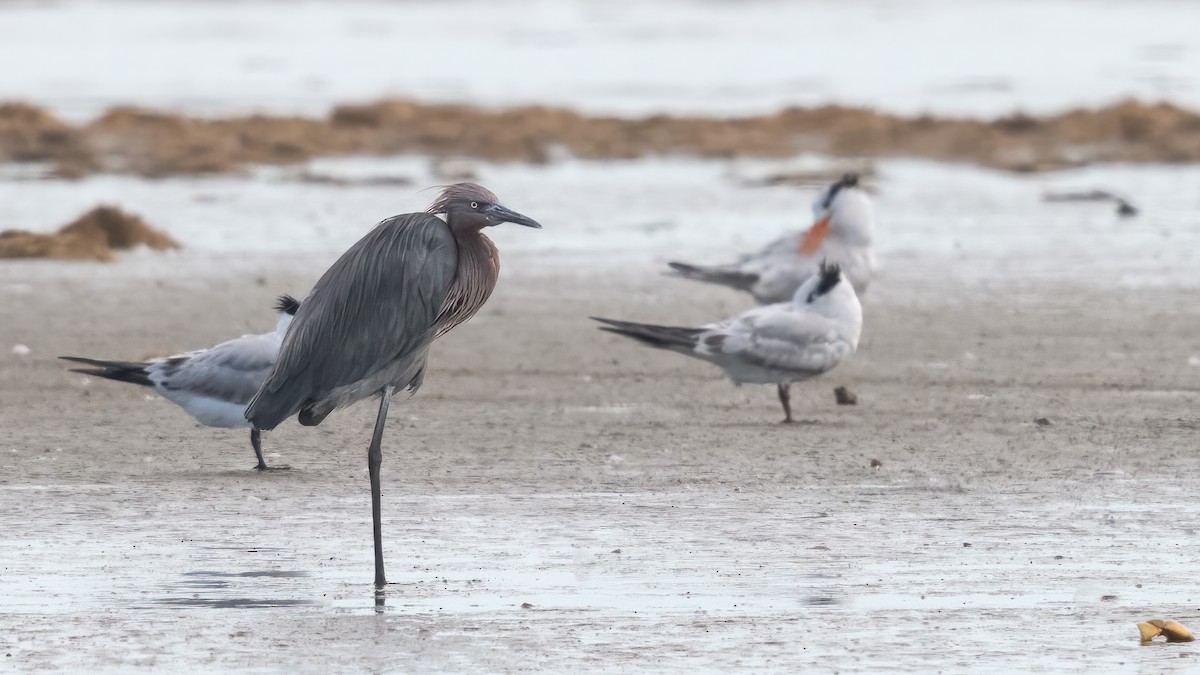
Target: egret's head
{"points": [[468, 205]]}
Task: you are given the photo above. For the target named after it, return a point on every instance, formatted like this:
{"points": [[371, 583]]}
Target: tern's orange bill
{"points": [[815, 235]]}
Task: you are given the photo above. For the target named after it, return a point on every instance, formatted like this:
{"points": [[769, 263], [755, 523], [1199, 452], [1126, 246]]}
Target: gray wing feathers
{"points": [[787, 245], [724, 276], [231, 371], [793, 342], [375, 306]]}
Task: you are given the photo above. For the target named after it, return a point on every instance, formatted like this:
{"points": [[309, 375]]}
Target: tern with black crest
{"points": [[843, 233], [775, 344]]}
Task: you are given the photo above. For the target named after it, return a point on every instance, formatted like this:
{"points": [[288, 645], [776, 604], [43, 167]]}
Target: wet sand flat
{"points": [[651, 515]]}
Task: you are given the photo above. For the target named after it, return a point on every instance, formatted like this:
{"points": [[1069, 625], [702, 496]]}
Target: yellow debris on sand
{"points": [[1172, 630]]}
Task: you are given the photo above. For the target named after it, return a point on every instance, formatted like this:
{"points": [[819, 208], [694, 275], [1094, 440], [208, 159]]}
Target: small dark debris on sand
{"points": [[526, 605], [1081, 196], [95, 235], [821, 600], [1042, 422], [844, 396], [1124, 208], [875, 464]]}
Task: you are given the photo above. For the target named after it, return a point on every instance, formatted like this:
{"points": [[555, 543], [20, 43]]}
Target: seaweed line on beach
{"points": [[158, 143]]}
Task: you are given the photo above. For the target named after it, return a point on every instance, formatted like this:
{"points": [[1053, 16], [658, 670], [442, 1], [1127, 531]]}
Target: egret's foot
{"points": [[787, 420], [264, 467], [785, 398]]}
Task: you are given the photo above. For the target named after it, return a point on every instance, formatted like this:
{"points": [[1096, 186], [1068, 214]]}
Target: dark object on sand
{"points": [[1124, 208], [844, 396], [1083, 196]]}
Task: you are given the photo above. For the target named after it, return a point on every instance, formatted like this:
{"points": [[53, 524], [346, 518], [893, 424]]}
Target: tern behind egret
{"points": [[212, 385]]}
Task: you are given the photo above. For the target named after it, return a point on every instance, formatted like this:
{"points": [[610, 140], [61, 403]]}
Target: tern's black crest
{"points": [[848, 180], [831, 275], [287, 304]]}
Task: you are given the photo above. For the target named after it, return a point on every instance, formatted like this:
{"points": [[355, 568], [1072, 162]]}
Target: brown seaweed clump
{"points": [[95, 235], [30, 134], [156, 143]]}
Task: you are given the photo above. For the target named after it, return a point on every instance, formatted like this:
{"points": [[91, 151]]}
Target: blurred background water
{"points": [[913, 56]]}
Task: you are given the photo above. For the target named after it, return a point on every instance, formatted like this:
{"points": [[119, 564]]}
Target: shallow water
{"points": [[977, 225], [856, 577]]}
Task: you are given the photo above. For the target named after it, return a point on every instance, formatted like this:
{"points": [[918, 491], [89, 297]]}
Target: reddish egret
{"points": [[774, 344], [366, 327], [212, 385], [843, 234]]}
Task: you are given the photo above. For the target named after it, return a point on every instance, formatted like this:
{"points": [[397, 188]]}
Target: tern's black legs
{"points": [[256, 441], [786, 399], [374, 459]]}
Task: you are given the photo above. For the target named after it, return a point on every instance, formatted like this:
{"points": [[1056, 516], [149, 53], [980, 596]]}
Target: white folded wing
{"points": [[215, 385], [775, 343]]}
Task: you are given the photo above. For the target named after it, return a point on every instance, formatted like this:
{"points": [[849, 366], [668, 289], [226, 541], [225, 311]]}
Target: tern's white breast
{"points": [[209, 411]]}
